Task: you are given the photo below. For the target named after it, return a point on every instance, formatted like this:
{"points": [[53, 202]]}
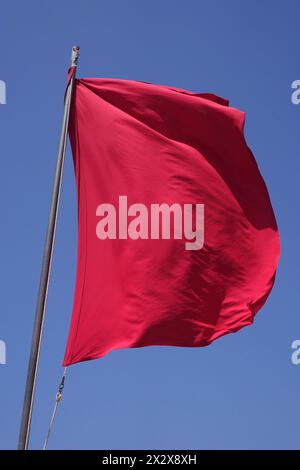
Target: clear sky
{"points": [[240, 392]]}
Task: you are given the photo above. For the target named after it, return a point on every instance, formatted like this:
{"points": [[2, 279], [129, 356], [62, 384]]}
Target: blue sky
{"points": [[242, 391]]}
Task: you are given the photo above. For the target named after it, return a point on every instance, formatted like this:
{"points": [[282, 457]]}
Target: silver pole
{"points": [[46, 270]]}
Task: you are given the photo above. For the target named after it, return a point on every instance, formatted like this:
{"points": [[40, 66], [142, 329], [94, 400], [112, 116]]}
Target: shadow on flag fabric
{"points": [[177, 240]]}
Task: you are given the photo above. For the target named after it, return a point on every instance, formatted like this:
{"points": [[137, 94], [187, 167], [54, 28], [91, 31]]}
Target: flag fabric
{"points": [[177, 240]]}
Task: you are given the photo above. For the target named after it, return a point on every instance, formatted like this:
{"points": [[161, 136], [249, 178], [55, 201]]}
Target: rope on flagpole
{"points": [[58, 398]]}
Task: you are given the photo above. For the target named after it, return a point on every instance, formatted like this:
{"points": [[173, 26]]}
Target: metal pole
{"points": [[46, 269]]}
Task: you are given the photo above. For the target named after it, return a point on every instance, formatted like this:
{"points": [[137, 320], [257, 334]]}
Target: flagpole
{"points": [[46, 268]]}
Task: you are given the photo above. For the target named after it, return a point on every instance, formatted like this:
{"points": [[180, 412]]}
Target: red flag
{"points": [[177, 240]]}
